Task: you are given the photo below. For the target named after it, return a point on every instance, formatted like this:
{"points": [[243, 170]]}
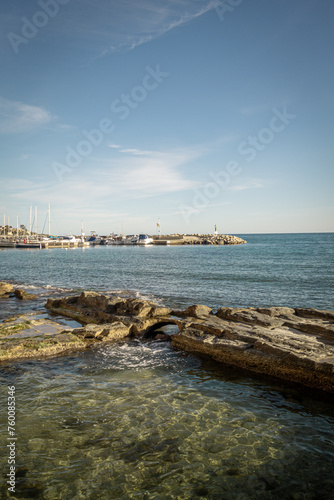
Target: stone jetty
{"points": [[198, 239], [212, 239], [295, 345]]}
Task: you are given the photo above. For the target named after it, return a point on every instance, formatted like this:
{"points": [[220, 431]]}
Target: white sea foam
{"points": [[136, 355]]}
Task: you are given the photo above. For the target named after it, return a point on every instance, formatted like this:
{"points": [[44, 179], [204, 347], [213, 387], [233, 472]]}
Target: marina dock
{"points": [[43, 244]]}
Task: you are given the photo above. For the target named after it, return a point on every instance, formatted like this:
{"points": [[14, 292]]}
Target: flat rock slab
{"points": [[294, 346], [26, 337]]}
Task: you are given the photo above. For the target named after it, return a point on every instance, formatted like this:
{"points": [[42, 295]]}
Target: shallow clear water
{"points": [[141, 420]]}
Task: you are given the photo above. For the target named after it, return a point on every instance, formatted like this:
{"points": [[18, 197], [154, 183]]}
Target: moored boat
{"points": [[7, 243], [28, 244], [144, 239]]}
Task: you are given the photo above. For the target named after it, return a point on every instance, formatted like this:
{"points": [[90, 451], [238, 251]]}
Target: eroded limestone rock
{"points": [[5, 289], [23, 295], [271, 341], [292, 344]]}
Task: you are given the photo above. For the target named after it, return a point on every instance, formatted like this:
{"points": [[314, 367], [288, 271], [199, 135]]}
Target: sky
{"points": [[194, 113]]}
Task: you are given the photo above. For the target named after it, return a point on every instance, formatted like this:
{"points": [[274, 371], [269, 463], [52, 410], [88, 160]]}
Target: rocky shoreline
{"points": [[295, 345]]}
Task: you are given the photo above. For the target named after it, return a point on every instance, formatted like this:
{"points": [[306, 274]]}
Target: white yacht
{"points": [[144, 239]]}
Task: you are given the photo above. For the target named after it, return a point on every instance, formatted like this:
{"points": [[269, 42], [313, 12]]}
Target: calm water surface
{"points": [[291, 270], [141, 420]]}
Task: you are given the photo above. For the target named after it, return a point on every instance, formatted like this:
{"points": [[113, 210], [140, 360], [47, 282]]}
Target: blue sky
{"points": [[194, 112]]}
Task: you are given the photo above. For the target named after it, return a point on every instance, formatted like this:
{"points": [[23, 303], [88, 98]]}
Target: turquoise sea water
{"points": [[291, 270], [140, 420]]}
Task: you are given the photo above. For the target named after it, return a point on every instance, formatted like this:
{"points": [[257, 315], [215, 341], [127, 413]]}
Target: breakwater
{"points": [[175, 239], [199, 239]]}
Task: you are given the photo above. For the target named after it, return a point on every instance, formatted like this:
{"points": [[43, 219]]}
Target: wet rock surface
{"points": [[27, 336], [23, 295], [272, 341], [5, 289], [296, 345]]}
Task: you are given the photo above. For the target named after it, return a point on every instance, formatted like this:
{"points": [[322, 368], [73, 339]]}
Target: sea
{"points": [[138, 419]]}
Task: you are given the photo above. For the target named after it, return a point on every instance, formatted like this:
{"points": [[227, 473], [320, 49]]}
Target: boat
{"points": [[29, 244], [108, 241], [70, 238], [131, 239], [122, 240], [144, 239], [7, 243], [94, 240]]}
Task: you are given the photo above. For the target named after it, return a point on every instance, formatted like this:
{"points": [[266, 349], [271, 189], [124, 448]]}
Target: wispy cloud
{"points": [[155, 20], [132, 175], [249, 184], [136, 152], [123, 26], [131, 151], [16, 117], [141, 173]]}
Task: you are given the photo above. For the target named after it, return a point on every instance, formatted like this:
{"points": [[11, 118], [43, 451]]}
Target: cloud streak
{"points": [[17, 117], [132, 175], [142, 174], [157, 21], [249, 184], [123, 26]]}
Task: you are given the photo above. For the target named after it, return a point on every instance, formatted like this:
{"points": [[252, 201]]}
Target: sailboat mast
{"points": [[30, 213], [49, 210]]}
